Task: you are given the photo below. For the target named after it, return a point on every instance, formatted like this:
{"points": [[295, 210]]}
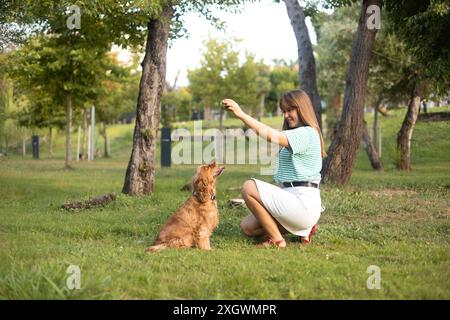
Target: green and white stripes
{"points": [[303, 160]]}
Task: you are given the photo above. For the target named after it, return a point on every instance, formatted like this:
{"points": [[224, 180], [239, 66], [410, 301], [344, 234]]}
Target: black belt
{"points": [[300, 184]]}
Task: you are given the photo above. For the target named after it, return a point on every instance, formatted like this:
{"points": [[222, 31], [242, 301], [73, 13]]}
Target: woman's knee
{"points": [[250, 226], [247, 229], [244, 227], [248, 188]]}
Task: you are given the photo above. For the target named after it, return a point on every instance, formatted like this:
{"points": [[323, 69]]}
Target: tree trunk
{"points": [[106, 141], [68, 132], [6, 145], [406, 131], [50, 143], [78, 143], [140, 174], [333, 115], [85, 136], [307, 63], [220, 118], [371, 150], [375, 123], [207, 114], [338, 165], [24, 147]]}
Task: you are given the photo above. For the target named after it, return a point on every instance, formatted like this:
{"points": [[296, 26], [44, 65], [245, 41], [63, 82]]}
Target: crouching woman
{"points": [[294, 204]]}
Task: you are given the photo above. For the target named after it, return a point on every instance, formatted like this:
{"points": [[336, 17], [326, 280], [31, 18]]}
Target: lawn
{"points": [[398, 221]]}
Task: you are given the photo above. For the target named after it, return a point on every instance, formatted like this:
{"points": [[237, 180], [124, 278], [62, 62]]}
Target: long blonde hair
{"points": [[300, 100]]}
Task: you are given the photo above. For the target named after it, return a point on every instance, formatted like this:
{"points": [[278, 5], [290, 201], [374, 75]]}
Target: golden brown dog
{"points": [[193, 223]]}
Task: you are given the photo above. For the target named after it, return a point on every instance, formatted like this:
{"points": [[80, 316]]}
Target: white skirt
{"points": [[297, 209]]}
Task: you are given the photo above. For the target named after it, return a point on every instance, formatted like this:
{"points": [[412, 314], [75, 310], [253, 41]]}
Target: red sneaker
{"points": [[306, 240]]}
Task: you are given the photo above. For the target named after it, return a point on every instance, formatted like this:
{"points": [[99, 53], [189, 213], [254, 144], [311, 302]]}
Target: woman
{"points": [[295, 206]]}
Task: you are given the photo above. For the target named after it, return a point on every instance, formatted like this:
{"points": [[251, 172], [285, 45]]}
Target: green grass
{"points": [[398, 221]]}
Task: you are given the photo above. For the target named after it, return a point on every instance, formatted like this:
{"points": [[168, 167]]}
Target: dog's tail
{"points": [[157, 247]]}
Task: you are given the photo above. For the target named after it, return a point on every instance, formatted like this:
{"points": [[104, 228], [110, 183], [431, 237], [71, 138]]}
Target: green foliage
{"points": [[283, 77], [333, 50], [115, 91], [393, 68], [222, 75], [102, 22], [312, 8], [176, 106], [10, 130], [423, 26], [5, 88], [47, 69], [106, 21]]}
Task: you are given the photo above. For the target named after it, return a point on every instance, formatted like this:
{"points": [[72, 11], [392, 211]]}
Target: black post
{"points": [[165, 147], [35, 146]]}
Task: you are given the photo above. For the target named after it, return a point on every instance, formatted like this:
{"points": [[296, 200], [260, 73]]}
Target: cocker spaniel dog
{"points": [[193, 223]]}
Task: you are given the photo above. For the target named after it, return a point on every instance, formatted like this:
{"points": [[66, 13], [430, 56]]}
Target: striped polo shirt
{"points": [[302, 160]]}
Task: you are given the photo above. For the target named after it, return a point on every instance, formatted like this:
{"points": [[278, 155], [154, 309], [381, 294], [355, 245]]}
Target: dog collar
{"points": [[212, 196]]}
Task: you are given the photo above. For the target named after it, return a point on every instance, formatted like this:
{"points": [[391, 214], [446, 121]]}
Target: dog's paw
{"points": [[156, 248]]}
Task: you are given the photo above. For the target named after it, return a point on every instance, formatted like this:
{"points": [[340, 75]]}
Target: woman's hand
{"points": [[260, 128], [232, 106]]}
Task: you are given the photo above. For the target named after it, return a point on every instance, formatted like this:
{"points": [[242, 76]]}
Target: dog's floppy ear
{"points": [[201, 189]]}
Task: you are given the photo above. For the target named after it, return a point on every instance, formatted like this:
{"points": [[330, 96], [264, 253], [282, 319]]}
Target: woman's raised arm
{"points": [[260, 128]]}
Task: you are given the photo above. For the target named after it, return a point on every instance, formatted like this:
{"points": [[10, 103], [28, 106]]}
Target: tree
{"points": [[333, 50], [307, 64], [405, 133], [423, 26], [61, 72], [103, 22], [389, 78], [168, 105], [250, 84], [140, 174], [181, 100], [213, 80], [283, 77], [222, 75], [128, 23], [72, 53], [335, 33], [6, 102], [39, 111], [371, 151], [342, 152], [263, 86], [110, 102]]}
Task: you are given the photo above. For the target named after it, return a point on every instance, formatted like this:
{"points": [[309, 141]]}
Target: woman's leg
{"points": [[264, 218], [252, 228]]}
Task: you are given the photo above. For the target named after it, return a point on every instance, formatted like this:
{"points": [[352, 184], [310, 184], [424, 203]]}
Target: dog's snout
{"points": [[219, 171]]}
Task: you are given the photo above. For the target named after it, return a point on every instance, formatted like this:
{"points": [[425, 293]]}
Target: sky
{"points": [[264, 28]]}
